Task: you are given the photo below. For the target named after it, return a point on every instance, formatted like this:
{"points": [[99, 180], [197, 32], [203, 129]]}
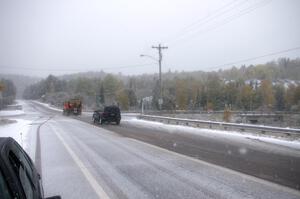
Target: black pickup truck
{"points": [[109, 114], [18, 176]]}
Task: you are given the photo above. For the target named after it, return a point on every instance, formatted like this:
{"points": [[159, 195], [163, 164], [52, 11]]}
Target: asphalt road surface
{"points": [[264, 160], [81, 160]]}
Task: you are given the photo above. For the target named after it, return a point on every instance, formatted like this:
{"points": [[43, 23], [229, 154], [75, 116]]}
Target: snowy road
{"points": [[268, 158], [79, 160], [270, 161]]}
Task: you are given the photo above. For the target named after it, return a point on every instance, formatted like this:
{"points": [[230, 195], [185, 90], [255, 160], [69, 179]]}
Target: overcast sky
{"points": [[67, 36]]}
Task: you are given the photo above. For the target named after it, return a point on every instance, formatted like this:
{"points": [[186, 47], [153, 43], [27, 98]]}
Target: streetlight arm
{"points": [[149, 57]]}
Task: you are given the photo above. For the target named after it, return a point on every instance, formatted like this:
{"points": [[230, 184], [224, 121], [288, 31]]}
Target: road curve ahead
{"points": [[80, 160]]}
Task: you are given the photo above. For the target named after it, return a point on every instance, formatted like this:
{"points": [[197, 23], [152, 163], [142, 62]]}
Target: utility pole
{"points": [[159, 47]]}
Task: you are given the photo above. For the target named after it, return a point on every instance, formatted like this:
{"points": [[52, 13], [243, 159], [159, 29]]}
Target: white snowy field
{"points": [[220, 134], [10, 113], [48, 106], [17, 125], [17, 130]]}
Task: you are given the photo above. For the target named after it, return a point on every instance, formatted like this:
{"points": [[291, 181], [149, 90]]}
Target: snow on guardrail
{"points": [[222, 125]]}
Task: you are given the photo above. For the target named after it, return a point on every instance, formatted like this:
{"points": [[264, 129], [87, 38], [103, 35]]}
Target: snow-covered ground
{"points": [[216, 133], [12, 127], [17, 124], [17, 130], [9, 113], [48, 106]]}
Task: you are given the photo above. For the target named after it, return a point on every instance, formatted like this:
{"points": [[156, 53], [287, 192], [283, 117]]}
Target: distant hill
{"points": [[283, 68], [90, 74]]}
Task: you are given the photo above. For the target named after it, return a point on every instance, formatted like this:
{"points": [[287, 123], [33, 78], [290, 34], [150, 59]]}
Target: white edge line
{"points": [[93, 182]]}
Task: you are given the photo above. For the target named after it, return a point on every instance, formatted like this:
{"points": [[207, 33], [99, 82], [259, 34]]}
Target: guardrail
{"points": [[223, 125], [152, 112]]}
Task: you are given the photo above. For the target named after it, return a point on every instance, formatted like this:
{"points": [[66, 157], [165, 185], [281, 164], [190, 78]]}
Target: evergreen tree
{"points": [[279, 96], [267, 94]]}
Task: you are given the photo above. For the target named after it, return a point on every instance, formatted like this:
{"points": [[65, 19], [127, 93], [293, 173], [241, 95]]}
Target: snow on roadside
{"points": [[18, 131], [10, 113], [48, 106], [130, 114], [209, 132]]}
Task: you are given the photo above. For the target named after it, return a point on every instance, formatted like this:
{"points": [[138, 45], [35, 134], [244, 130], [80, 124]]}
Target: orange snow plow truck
{"points": [[73, 106]]}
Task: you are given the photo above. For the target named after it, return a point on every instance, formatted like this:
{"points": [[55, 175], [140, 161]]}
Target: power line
{"points": [[203, 20], [210, 17], [226, 20], [238, 15]]}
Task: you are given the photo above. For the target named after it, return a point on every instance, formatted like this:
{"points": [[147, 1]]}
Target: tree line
{"points": [[95, 92], [215, 93], [270, 86], [7, 92]]}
